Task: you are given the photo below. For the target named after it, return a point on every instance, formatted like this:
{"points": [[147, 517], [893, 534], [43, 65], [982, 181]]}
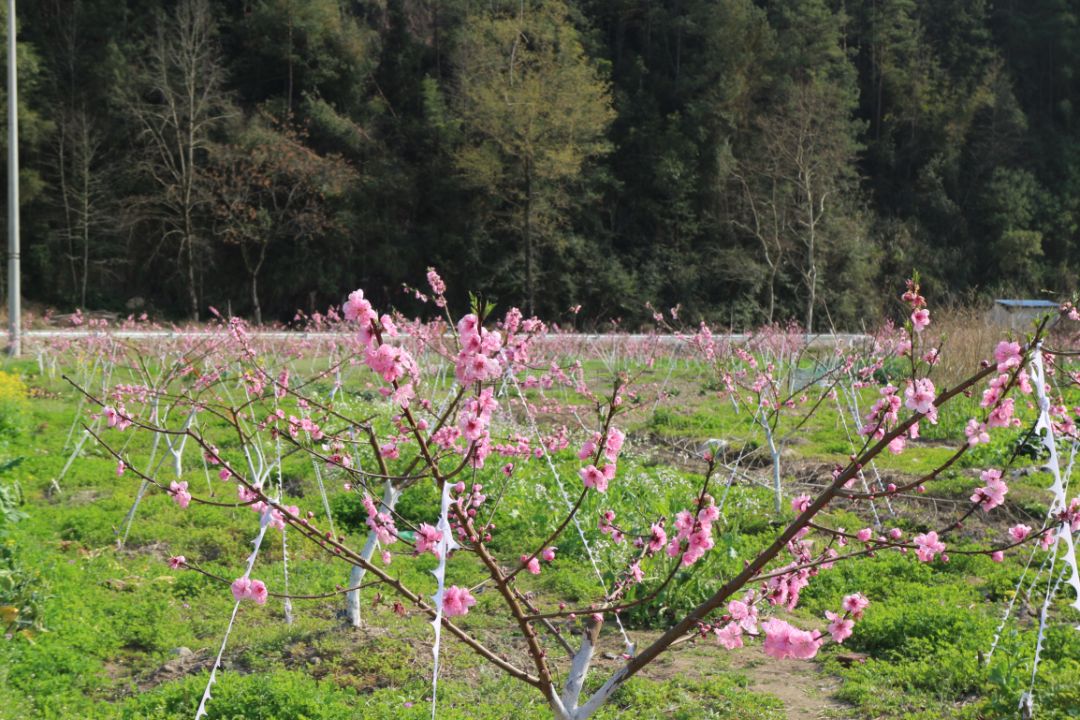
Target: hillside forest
{"points": [[748, 161]]}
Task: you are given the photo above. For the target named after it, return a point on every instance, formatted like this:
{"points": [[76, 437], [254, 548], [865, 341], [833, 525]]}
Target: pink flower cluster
{"points": [[597, 478], [428, 539], [380, 522], [920, 316], [358, 309], [475, 424], [920, 397], [116, 417], [457, 601], [1019, 532], [783, 640], [742, 616], [993, 493], [244, 588], [1008, 356], [477, 361], [842, 624], [929, 546], [180, 494], [437, 286], [592, 476], [695, 531], [607, 526]]}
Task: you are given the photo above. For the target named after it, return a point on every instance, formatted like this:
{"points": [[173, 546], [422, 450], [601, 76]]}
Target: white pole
{"points": [[14, 289]]}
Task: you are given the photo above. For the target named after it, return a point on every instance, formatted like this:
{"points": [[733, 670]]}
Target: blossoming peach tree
{"points": [[244, 410]]}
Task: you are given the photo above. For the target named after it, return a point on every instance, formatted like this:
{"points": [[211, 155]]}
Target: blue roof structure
{"points": [[1027, 303]]}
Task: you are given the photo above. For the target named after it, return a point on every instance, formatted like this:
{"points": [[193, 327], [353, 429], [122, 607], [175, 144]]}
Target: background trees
{"points": [[532, 111], [178, 101], [614, 150]]}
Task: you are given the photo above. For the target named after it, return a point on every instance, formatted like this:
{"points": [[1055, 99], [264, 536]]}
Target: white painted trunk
{"points": [[356, 574]]}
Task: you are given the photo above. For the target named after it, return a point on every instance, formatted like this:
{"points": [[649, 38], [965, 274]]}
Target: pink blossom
{"points": [[357, 309], [180, 494], [993, 494], [457, 601], [840, 627], [548, 554], [855, 604], [428, 539], [1008, 355], [658, 538], [177, 561], [701, 541], [920, 319], [920, 396], [928, 546], [241, 587], [1002, 415], [587, 449], [614, 443], [257, 592], [730, 636], [1019, 532], [997, 556], [245, 495], [531, 564], [745, 614], [435, 282], [1047, 540], [593, 478], [864, 535], [801, 503], [783, 640], [976, 432]]}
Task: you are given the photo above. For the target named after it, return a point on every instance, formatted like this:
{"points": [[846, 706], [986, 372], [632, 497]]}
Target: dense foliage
{"points": [[729, 155]]}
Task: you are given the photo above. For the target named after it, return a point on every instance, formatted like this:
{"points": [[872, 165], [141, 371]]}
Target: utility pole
{"points": [[14, 289]]}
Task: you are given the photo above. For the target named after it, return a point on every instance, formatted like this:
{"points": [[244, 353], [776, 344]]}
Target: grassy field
{"points": [[116, 633]]}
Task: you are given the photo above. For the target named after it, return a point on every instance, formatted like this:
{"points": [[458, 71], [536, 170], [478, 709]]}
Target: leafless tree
{"points": [[793, 185], [178, 101]]}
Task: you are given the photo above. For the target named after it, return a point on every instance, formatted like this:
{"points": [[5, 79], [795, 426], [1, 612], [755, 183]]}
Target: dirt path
{"points": [[805, 689]]}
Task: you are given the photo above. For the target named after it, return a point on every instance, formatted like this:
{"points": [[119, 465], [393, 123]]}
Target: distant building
{"points": [[1019, 314]]}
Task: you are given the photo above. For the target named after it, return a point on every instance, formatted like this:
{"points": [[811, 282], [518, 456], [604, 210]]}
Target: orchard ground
{"points": [[116, 633]]}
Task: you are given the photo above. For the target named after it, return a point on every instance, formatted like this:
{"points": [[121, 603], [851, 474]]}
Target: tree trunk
{"points": [[85, 219], [193, 297], [530, 279], [255, 298], [65, 194], [772, 292], [811, 250], [356, 574]]}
